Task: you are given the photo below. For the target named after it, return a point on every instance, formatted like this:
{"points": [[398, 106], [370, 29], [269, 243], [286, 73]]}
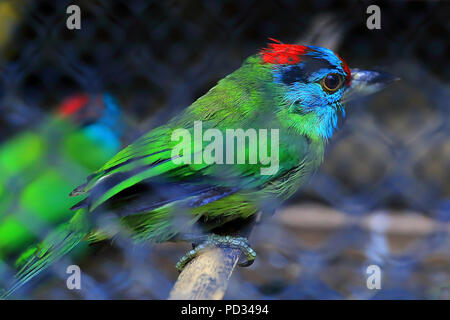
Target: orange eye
{"points": [[331, 82]]}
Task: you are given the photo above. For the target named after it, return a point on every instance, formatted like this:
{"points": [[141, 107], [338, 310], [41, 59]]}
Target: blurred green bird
{"points": [[151, 191], [40, 166]]}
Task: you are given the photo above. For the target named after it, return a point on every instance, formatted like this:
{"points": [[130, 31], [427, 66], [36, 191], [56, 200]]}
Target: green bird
{"points": [[210, 166], [35, 166]]}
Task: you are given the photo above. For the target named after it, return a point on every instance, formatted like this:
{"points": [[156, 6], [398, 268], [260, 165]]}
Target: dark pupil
{"points": [[332, 81]]}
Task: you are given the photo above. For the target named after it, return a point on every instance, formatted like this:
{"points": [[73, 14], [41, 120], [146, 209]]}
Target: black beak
{"points": [[365, 82]]}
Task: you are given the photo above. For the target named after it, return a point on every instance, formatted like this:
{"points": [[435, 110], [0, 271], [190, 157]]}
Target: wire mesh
{"points": [[391, 158]]}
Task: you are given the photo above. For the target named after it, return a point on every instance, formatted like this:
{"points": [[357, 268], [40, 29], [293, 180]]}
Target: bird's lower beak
{"points": [[366, 82]]}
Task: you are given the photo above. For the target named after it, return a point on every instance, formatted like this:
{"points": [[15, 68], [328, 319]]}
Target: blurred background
{"points": [[381, 197]]}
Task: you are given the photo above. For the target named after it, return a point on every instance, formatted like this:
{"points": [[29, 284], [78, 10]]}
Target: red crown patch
{"points": [[280, 53]]}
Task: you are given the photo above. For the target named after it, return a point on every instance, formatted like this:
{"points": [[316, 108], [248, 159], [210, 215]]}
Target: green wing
{"points": [[150, 158], [134, 165]]}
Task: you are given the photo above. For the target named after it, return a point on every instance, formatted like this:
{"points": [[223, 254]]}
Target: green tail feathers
{"points": [[59, 242]]}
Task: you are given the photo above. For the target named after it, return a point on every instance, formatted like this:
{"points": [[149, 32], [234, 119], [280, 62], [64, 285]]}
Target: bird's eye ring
{"points": [[331, 82]]}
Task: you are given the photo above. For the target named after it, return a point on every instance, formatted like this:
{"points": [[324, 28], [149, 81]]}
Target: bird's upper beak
{"points": [[366, 82]]}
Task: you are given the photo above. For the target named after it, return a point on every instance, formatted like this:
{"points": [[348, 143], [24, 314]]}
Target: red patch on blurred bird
{"points": [[73, 104]]}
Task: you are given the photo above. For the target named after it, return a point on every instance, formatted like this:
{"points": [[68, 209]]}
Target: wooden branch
{"points": [[206, 277]]}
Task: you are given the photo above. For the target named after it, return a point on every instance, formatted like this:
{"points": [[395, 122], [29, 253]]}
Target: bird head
{"points": [[316, 82], [96, 115]]}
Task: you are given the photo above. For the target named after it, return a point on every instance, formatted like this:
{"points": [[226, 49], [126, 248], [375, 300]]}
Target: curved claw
{"points": [[224, 242], [246, 263]]}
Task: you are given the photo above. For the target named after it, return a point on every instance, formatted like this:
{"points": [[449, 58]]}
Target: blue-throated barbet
{"points": [[293, 89]]}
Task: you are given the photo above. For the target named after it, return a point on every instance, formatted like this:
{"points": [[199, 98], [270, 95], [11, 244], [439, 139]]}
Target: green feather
{"points": [[59, 242]]}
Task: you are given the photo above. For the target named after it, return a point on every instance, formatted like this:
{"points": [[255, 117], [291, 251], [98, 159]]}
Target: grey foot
{"points": [[214, 241]]}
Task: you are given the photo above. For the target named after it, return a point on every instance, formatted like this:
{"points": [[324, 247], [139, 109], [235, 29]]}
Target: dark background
{"points": [[390, 160]]}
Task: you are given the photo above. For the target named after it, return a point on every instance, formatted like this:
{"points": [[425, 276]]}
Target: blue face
{"points": [[107, 129], [316, 84]]}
